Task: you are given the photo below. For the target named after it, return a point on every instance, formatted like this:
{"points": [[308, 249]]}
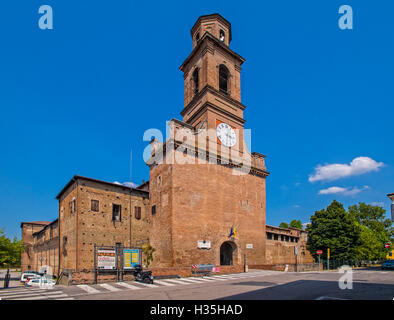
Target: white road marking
{"points": [[127, 285], [58, 296], [33, 296], [191, 280], [147, 285], [164, 283], [177, 281], [109, 287], [213, 278], [88, 289], [329, 298]]}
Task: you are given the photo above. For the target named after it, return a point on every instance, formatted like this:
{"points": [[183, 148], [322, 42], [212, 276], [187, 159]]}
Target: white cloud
{"points": [[336, 171], [127, 184], [343, 191]]}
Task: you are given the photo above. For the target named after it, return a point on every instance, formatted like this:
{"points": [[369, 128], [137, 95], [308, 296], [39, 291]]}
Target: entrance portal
{"points": [[226, 253]]}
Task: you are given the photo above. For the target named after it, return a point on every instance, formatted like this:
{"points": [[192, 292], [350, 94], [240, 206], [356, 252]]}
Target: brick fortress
{"points": [[205, 201]]}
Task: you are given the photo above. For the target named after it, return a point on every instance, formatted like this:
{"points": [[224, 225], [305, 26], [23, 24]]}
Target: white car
{"points": [[40, 282], [29, 274]]}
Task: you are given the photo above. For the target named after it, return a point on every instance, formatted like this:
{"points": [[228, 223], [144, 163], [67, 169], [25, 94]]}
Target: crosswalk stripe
{"points": [[109, 287], [87, 288], [164, 283], [177, 281], [147, 285], [35, 294], [69, 298], [31, 298], [127, 285], [191, 280], [213, 278], [58, 296]]}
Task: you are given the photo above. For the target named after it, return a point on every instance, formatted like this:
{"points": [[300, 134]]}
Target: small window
{"points": [[72, 206], [223, 78], [269, 236], [222, 35], [137, 212], [116, 212], [95, 205], [276, 237], [195, 81], [154, 209], [197, 36]]}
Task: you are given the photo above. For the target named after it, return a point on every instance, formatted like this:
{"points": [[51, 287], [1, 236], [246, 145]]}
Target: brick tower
{"points": [[203, 212]]}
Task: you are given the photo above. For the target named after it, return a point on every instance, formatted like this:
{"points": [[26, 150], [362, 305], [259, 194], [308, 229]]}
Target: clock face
{"points": [[226, 134]]}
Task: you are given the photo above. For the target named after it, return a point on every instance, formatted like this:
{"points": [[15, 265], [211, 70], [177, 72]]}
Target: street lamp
{"points": [[391, 196]]}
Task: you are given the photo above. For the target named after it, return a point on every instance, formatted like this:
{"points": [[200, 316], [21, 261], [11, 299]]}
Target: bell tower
{"points": [[212, 87]]}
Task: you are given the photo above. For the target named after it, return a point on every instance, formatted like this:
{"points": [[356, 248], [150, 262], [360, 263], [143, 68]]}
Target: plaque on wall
{"points": [[203, 244]]}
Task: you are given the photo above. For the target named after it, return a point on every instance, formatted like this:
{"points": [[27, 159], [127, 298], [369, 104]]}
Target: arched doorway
{"points": [[226, 253]]}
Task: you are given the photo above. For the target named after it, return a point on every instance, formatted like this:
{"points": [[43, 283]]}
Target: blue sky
{"points": [[77, 99]]}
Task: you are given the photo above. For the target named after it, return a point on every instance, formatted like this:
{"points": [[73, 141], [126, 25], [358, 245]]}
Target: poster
{"points": [[131, 257], [106, 259]]}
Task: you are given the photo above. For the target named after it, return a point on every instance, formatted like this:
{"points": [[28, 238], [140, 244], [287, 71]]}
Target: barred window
{"points": [[154, 209], [95, 205]]}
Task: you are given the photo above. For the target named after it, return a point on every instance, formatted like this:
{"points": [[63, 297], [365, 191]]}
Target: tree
{"points": [[148, 250], [283, 225], [336, 229], [296, 224], [10, 251], [375, 227], [370, 247]]}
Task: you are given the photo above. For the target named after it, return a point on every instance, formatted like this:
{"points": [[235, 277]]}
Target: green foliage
{"points": [[359, 234], [370, 248], [283, 225], [296, 224], [333, 228], [376, 228], [10, 251], [148, 250]]}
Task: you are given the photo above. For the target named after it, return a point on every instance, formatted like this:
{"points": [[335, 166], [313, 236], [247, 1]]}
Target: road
{"points": [[254, 285]]}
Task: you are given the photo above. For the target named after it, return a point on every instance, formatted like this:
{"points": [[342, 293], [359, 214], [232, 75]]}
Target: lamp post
{"points": [[391, 196]]}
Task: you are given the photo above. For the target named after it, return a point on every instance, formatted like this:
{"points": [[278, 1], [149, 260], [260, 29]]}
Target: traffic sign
{"points": [[387, 245], [319, 252]]}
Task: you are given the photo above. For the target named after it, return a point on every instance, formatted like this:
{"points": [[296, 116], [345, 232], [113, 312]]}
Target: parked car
{"points": [[29, 274], [37, 282], [388, 265]]}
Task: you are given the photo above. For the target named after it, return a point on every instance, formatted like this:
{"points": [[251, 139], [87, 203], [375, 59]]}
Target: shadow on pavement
{"points": [[314, 289]]}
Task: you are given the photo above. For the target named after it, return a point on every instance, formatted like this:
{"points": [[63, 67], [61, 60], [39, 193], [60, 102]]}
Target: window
{"points": [[282, 238], [154, 209], [222, 35], [94, 205], [72, 205], [137, 212], [195, 80], [269, 236], [197, 36], [116, 212], [276, 237], [223, 78]]}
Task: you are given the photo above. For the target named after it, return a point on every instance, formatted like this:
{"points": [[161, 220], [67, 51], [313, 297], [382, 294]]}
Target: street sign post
{"points": [[295, 253], [319, 252], [328, 259]]}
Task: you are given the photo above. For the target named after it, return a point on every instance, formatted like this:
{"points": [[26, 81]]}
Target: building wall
{"points": [[202, 202], [99, 227], [68, 229], [28, 255], [281, 251]]}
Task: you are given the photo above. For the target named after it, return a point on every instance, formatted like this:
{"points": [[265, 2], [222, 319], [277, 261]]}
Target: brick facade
{"points": [[199, 189]]}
